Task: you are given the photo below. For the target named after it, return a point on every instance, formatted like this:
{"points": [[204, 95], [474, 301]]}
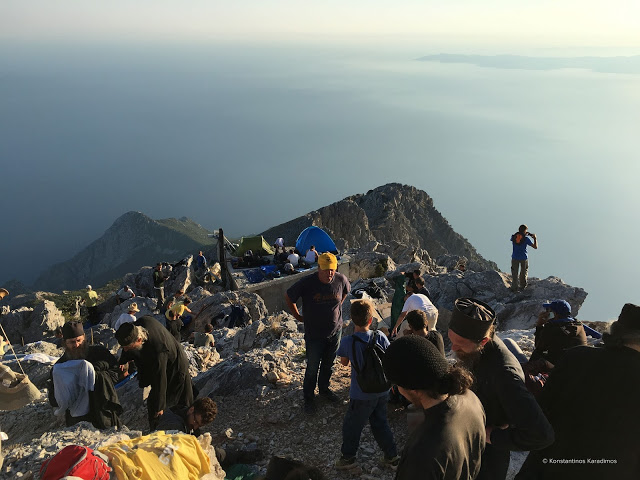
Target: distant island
{"points": [[625, 65]]}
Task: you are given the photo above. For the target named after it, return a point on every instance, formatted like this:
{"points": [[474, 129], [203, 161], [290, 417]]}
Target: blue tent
{"points": [[315, 236]]}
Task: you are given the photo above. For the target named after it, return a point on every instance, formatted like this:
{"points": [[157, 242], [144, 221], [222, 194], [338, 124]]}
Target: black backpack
{"points": [[371, 377]]}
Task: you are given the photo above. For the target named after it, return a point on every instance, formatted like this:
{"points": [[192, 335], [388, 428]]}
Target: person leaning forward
{"points": [[322, 295], [161, 362], [514, 418]]}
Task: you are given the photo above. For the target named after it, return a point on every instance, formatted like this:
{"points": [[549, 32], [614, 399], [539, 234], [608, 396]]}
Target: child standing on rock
{"points": [[363, 407]]}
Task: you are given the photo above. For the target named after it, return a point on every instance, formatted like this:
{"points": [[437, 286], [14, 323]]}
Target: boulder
{"points": [[32, 324], [146, 306], [514, 310], [206, 306], [369, 265]]}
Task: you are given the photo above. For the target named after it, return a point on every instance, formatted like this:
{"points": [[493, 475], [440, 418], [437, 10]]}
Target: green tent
{"points": [[257, 244]]}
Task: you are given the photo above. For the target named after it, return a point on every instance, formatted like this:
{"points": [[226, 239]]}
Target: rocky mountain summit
{"points": [[134, 240], [387, 214]]}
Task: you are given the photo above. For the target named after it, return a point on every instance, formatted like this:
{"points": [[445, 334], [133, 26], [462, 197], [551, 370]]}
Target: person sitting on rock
{"points": [[293, 258], [449, 442], [311, 256], [82, 381], [205, 339], [124, 294], [129, 316]]}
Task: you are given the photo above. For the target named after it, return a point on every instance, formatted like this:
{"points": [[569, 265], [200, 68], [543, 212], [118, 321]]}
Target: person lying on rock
{"points": [[82, 381], [162, 364], [191, 420]]}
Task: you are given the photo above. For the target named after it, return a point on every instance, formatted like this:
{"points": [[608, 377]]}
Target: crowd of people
{"points": [[571, 405]]}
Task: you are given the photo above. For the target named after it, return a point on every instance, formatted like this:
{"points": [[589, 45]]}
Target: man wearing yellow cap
{"points": [[322, 295]]}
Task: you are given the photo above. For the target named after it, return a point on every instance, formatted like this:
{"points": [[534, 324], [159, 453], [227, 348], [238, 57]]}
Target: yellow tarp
{"points": [[158, 456]]}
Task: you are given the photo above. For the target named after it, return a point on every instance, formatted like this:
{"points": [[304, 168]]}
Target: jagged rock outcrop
{"points": [[180, 277], [514, 310], [369, 264], [32, 324], [132, 241], [206, 306], [390, 213]]}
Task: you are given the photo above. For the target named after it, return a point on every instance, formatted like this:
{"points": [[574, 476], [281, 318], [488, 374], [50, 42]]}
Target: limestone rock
{"points": [[32, 324], [369, 265], [206, 306], [514, 310], [146, 306]]}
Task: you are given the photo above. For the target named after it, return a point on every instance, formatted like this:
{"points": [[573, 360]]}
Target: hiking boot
{"points": [[390, 462], [310, 408], [330, 396], [345, 463]]}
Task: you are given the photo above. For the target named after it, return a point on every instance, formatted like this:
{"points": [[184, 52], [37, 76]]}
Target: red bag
{"points": [[76, 461]]}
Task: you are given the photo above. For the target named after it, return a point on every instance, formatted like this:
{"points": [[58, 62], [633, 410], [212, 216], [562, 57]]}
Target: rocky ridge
{"points": [[132, 241], [387, 214]]}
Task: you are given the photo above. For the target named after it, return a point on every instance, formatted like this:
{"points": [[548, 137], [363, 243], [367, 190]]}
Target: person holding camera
{"points": [[519, 258]]}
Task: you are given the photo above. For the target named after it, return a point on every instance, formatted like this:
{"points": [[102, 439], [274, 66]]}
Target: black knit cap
{"points": [[471, 318], [72, 330], [415, 363], [629, 318], [126, 334]]}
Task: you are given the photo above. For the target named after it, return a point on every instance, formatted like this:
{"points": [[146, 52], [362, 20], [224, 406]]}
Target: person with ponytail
{"points": [[449, 443]]}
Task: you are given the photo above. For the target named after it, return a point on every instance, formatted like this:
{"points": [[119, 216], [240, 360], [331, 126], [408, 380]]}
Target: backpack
{"points": [[75, 461], [371, 377]]}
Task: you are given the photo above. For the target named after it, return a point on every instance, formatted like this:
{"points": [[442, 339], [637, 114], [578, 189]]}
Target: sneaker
{"points": [[310, 408], [391, 462], [330, 396], [344, 463]]}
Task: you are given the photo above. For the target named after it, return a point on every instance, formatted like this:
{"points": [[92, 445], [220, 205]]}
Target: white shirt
{"points": [[72, 382], [417, 301], [310, 257], [293, 259], [124, 318]]}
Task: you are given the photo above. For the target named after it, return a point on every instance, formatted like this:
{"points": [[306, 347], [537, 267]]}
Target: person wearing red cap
{"points": [[591, 399], [322, 295]]}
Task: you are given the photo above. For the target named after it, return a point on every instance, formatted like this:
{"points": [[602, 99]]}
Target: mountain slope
{"points": [[387, 213], [133, 241]]}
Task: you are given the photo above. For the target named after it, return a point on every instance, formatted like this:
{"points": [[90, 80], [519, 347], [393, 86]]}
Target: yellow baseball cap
{"points": [[327, 261]]}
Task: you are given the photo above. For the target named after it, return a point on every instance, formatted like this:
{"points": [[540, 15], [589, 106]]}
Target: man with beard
{"points": [[514, 419], [82, 381], [161, 362]]}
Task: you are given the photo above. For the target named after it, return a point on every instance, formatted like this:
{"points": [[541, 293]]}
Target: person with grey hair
{"points": [[591, 399], [161, 362]]}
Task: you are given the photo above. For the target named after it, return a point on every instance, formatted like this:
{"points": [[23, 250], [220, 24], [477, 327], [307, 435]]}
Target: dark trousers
{"points": [[375, 412], [92, 315], [159, 291], [523, 266], [320, 357]]}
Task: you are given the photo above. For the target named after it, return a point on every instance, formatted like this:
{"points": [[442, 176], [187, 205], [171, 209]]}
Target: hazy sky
{"points": [[226, 111], [540, 22]]}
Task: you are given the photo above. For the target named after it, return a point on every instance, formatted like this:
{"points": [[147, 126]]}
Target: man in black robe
{"points": [[104, 406], [161, 362]]}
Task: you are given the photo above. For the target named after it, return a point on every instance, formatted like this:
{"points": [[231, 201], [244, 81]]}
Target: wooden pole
{"points": [[91, 335], [222, 259]]}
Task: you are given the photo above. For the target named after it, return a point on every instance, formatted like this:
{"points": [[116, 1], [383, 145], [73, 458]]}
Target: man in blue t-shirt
{"points": [[363, 407], [322, 295], [519, 257]]}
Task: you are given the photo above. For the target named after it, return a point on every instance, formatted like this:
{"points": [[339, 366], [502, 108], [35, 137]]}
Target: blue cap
{"points": [[561, 307]]}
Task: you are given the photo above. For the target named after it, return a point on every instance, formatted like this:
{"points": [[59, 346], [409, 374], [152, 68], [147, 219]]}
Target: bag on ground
{"points": [[75, 461]]}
